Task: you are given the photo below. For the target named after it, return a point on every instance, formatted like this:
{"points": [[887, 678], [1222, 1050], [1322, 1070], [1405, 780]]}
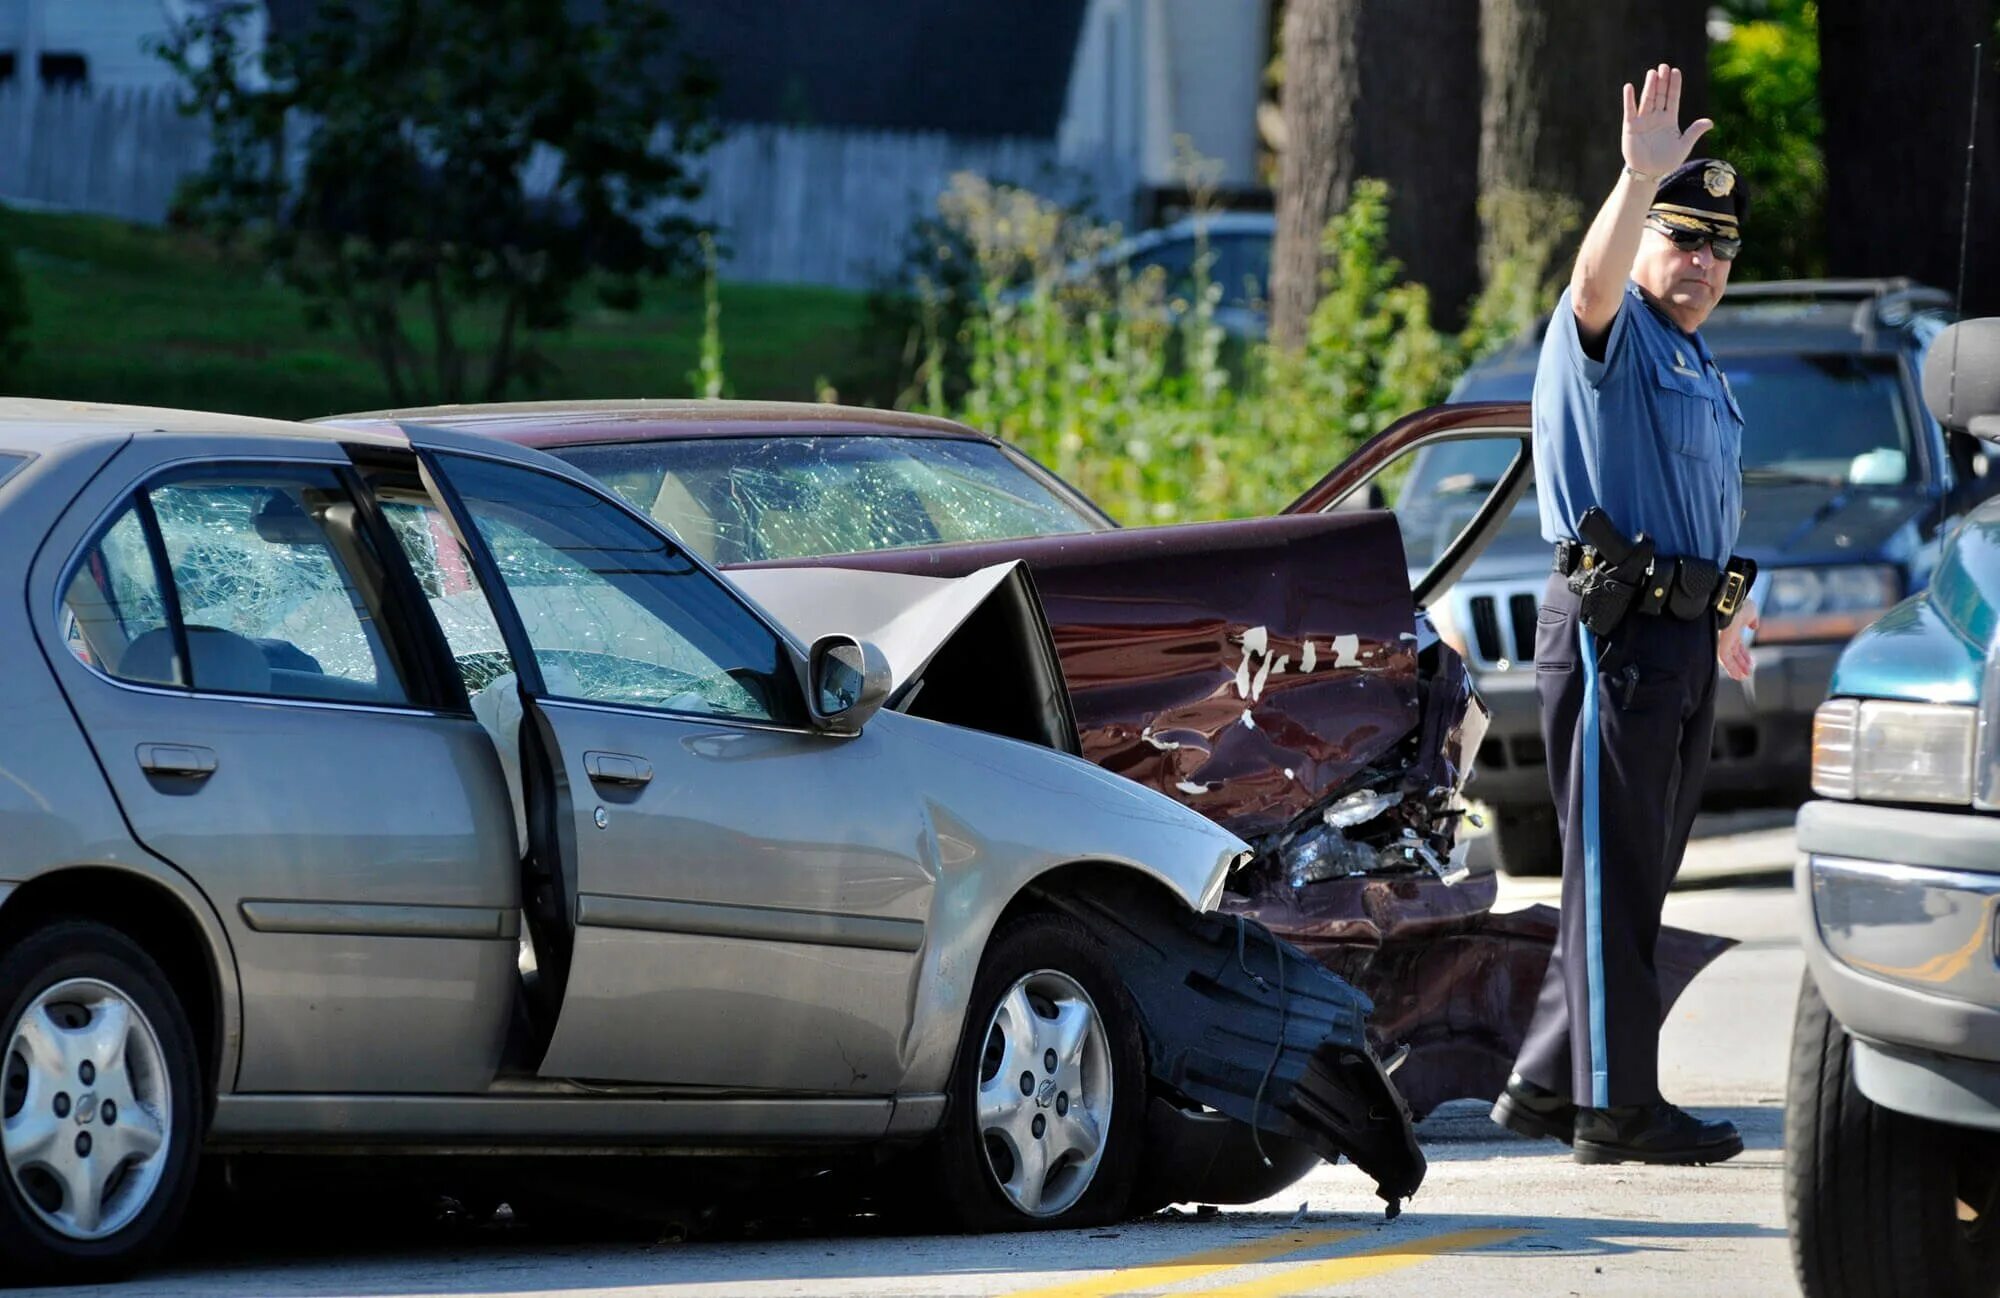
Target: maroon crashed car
{"points": [[1276, 674]]}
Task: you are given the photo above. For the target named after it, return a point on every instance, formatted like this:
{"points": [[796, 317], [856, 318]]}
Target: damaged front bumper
{"points": [[1373, 886], [1248, 1025]]}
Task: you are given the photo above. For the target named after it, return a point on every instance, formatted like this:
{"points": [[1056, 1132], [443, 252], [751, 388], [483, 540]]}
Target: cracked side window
{"points": [[275, 586], [113, 600]]}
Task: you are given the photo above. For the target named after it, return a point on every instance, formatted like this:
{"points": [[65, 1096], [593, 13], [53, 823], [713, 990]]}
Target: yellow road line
{"points": [[1360, 1266], [1194, 1266]]}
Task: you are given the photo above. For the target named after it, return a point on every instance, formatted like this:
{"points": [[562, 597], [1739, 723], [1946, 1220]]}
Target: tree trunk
{"points": [[1418, 129], [1390, 89], [1316, 163], [1552, 71], [1896, 86]]}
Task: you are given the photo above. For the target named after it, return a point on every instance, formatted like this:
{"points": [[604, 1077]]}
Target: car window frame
{"points": [[514, 633], [419, 686], [12, 462]]}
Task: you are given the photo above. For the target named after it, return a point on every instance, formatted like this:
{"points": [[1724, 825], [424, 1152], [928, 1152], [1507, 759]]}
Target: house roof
{"points": [[965, 67]]}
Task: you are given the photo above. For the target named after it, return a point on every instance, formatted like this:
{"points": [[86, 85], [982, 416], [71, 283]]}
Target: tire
{"points": [[1872, 1195], [1042, 962], [58, 986], [1527, 842], [1208, 1158]]}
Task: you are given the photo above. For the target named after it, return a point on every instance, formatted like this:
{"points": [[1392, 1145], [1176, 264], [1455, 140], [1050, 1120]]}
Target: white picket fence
{"points": [[833, 207], [791, 205], [119, 153]]}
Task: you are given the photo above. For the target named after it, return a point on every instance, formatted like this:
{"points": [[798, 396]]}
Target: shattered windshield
{"points": [[741, 499]]}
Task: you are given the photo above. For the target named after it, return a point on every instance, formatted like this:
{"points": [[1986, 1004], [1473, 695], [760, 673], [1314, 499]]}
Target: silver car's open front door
{"points": [[719, 895]]}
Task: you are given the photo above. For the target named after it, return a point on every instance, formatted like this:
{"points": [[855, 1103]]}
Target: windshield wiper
{"points": [[1765, 473]]}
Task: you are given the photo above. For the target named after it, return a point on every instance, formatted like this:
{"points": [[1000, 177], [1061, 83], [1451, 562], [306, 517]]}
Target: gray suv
{"points": [[1850, 487]]}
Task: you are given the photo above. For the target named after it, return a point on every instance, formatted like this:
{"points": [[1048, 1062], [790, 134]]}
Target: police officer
{"points": [[1636, 442]]}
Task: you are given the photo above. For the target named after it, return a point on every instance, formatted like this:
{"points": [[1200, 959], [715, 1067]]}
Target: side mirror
{"points": [[847, 681], [1962, 378]]}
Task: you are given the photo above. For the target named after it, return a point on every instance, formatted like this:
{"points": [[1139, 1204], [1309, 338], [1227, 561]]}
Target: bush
{"points": [[1135, 395]]}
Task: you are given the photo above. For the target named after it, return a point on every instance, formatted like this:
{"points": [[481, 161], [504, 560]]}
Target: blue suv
{"points": [[1850, 487]]}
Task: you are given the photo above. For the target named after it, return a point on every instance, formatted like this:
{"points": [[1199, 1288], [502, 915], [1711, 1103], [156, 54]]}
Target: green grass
{"points": [[126, 313]]}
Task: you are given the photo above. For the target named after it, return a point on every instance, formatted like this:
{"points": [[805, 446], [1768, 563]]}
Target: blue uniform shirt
{"points": [[1651, 434]]}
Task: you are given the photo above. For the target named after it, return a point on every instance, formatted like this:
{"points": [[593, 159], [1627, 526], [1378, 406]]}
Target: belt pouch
{"points": [[1693, 590]]}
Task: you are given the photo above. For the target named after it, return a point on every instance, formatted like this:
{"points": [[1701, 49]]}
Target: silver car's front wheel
{"points": [[1045, 1092], [1048, 1095], [87, 1114], [100, 1104]]}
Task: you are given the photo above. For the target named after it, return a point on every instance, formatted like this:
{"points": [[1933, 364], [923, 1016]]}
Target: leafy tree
{"points": [[1765, 80], [383, 163], [1896, 89]]}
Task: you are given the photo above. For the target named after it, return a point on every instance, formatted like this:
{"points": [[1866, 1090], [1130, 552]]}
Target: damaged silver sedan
{"points": [[407, 793]]}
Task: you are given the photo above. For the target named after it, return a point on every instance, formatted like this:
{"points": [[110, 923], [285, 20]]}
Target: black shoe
{"points": [[1652, 1133], [1534, 1111]]}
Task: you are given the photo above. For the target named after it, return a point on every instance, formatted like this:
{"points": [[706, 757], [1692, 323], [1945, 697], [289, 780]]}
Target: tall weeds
{"points": [[1025, 326], [1128, 387]]}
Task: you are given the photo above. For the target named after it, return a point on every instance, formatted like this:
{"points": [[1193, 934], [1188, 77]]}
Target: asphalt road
{"points": [[1497, 1215]]}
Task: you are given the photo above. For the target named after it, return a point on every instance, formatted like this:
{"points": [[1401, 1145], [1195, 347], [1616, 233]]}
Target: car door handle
{"points": [[617, 768], [187, 761]]}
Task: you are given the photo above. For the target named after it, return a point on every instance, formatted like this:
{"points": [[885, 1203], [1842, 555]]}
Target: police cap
{"points": [[1705, 195]]}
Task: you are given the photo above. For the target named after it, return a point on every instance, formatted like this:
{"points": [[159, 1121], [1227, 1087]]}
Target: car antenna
{"points": [[1964, 233]]}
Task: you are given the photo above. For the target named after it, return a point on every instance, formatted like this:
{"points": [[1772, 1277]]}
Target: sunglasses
{"points": [[1692, 240]]}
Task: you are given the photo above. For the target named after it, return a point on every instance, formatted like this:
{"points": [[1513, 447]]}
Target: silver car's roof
{"points": [[38, 426]]}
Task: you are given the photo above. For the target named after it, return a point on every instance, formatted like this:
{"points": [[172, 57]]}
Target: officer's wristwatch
{"points": [[1637, 174]]}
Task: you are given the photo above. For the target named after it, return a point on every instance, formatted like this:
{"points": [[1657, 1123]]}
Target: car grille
{"points": [[1499, 622]]}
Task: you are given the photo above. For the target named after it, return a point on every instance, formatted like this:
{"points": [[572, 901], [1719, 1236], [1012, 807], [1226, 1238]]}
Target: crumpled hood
{"points": [[972, 650], [1249, 669]]}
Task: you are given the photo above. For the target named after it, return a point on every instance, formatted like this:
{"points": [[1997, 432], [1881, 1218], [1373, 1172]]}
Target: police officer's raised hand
{"points": [[1654, 142], [1730, 649]]}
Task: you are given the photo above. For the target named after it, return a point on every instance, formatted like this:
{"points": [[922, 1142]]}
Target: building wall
{"points": [[111, 35], [1149, 71], [790, 205]]}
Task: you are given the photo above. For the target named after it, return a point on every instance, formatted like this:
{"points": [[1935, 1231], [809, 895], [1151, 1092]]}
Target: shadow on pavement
{"points": [[519, 1263], [1772, 878], [1461, 1131]]}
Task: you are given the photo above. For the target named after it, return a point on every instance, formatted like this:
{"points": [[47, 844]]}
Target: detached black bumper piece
{"points": [[1249, 1025]]}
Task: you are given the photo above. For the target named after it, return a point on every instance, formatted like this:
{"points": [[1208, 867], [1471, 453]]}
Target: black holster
{"points": [[1612, 574]]}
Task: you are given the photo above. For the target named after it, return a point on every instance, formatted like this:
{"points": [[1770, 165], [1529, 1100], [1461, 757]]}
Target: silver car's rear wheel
{"points": [[1045, 1092], [101, 1104], [86, 1108]]}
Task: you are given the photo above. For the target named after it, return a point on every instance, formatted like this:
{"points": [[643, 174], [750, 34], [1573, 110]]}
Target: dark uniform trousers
{"points": [[1626, 720]]}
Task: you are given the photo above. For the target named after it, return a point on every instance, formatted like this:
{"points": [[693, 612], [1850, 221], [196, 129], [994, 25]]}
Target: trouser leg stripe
{"points": [[1593, 877]]}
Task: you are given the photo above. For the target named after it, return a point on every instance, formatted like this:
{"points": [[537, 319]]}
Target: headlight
{"points": [[1880, 751], [1825, 603]]}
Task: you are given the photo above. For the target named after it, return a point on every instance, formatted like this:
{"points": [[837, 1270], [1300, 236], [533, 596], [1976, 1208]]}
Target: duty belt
{"points": [[1682, 587]]}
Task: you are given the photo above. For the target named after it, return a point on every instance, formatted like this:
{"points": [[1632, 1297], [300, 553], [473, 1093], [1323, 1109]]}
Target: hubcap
{"points": [[85, 1108], [1044, 1097]]}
